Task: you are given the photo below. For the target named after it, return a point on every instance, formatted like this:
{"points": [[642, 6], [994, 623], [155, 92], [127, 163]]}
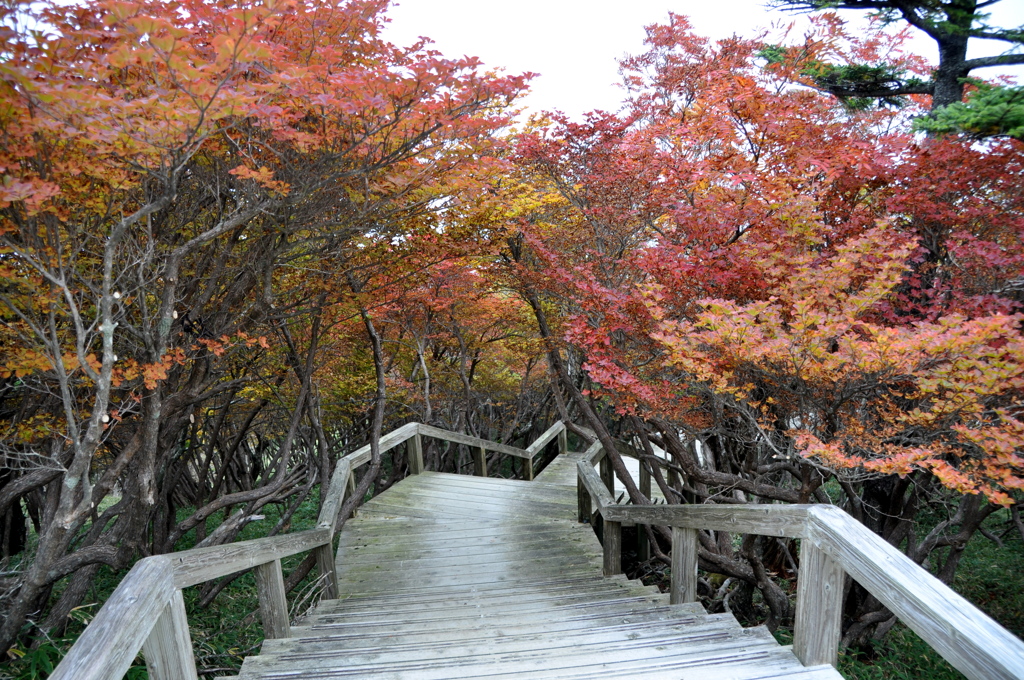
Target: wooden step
{"points": [[455, 577]]}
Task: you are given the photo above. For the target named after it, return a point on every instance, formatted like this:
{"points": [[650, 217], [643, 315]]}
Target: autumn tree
{"points": [[189, 194], [795, 300]]}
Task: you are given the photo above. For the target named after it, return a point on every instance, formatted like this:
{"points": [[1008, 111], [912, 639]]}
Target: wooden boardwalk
{"points": [[449, 576]]}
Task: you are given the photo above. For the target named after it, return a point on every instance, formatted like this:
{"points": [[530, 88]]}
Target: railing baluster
{"points": [[684, 566], [168, 649], [480, 462], [273, 604], [612, 548], [819, 607]]}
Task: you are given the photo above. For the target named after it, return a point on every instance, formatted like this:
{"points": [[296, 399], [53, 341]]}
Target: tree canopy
{"points": [[238, 239]]}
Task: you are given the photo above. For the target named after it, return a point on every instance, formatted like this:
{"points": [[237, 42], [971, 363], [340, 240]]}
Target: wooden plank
{"points": [[612, 543], [168, 649], [203, 564], [414, 453], [968, 639], [554, 431], [594, 453], [684, 566], [599, 494], [335, 495], [763, 520], [110, 643], [273, 603], [819, 607], [459, 438]]}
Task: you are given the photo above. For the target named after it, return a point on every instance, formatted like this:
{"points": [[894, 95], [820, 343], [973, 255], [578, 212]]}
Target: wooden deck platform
{"points": [[447, 576]]}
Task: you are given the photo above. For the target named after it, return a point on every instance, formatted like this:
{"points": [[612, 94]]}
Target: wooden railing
{"points": [[832, 545], [147, 611]]}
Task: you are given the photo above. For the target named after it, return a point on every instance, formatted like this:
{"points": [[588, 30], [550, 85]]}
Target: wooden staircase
{"points": [[450, 576]]}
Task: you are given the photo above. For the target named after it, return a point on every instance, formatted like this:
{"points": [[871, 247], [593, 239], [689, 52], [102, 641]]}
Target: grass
{"points": [[222, 634], [989, 576]]}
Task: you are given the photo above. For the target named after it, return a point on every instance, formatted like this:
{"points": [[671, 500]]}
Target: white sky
{"points": [[575, 44]]}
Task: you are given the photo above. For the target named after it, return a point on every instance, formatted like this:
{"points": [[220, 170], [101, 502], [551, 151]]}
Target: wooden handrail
{"points": [[146, 610], [833, 544]]}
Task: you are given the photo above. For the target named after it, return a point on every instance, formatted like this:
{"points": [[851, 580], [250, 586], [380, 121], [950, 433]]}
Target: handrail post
{"points": [[819, 607], [563, 442], [684, 566], [168, 649], [643, 547], [528, 468], [480, 461], [414, 454], [612, 547], [273, 604], [327, 566], [608, 475], [583, 501]]}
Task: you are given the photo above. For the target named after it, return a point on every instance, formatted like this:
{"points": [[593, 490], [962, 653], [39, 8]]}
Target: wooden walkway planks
{"points": [[448, 576]]}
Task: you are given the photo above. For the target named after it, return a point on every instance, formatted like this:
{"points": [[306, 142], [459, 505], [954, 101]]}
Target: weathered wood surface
{"points": [[361, 456], [459, 438], [455, 576], [203, 564], [683, 585], [600, 498], [764, 520], [168, 649], [819, 607], [335, 495], [273, 602], [971, 641], [110, 643], [554, 431]]}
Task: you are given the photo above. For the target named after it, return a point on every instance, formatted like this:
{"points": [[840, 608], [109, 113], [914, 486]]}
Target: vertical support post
{"points": [[327, 566], [480, 462], [643, 548], [612, 548], [414, 454], [582, 501], [684, 566], [608, 475], [168, 649], [563, 442], [273, 604], [819, 607], [528, 468]]}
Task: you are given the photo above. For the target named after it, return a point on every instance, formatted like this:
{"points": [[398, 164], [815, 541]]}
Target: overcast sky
{"points": [[575, 44]]}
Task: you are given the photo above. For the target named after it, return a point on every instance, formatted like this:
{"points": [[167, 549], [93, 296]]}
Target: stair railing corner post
{"points": [[607, 474], [563, 441], [528, 468], [583, 501], [414, 454], [168, 649], [819, 607]]}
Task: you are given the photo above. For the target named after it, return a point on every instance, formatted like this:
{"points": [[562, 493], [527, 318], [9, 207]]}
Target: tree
{"points": [[950, 23], [796, 300], [189, 191]]}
